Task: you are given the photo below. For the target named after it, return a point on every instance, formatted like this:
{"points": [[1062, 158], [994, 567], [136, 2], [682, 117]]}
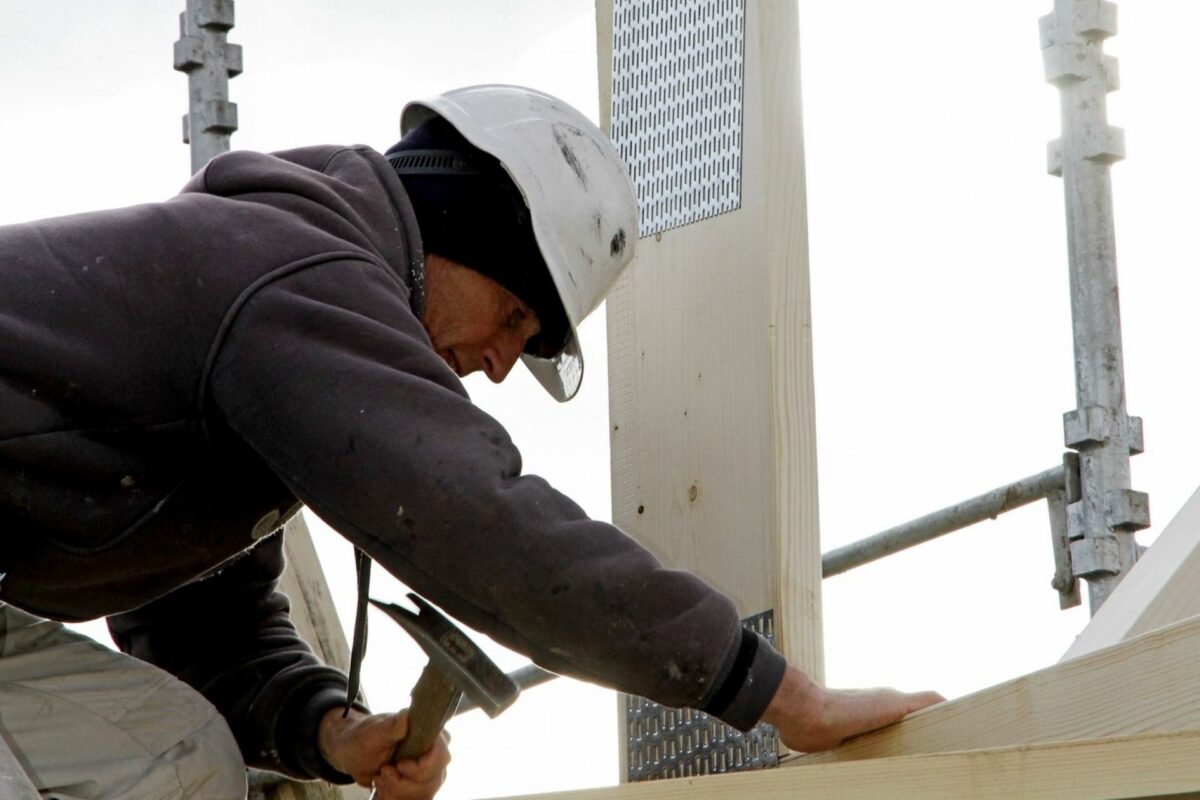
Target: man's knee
{"points": [[86, 722], [209, 763], [187, 738]]}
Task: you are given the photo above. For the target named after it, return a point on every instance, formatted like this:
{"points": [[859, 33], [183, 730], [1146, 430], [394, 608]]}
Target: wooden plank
{"points": [[313, 612], [310, 790], [317, 622], [710, 365], [1148, 684], [791, 393], [710, 361], [1143, 766], [1162, 588]]}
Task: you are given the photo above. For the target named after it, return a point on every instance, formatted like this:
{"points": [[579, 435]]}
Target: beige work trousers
{"points": [[81, 722]]}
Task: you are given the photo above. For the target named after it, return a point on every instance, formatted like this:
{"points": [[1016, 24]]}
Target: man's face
{"points": [[474, 322]]}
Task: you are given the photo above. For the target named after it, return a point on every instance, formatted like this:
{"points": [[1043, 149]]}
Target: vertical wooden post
{"points": [[710, 351]]}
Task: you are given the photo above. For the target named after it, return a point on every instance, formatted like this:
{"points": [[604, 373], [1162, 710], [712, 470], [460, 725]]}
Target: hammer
{"points": [[456, 667]]}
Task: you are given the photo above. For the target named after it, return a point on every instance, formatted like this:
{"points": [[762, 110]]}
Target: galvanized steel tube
{"points": [[931, 526], [1102, 523]]}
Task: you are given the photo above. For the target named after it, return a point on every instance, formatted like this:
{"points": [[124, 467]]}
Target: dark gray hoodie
{"points": [[176, 378]]}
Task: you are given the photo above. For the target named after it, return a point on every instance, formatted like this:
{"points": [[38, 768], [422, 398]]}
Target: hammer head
{"points": [[453, 652]]}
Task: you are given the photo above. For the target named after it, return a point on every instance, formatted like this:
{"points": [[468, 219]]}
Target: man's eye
{"points": [[516, 318]]}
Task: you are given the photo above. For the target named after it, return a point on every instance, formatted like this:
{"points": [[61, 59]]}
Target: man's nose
{"points": [[500, 354]]}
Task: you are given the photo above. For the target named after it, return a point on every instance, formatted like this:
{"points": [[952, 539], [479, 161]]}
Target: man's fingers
{"points": [[362, 746], [396, 782], [391, 785], [429, 765], [399, 725], [919, 700]]}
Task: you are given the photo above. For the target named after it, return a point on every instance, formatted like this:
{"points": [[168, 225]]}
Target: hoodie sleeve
{"points": [[229, 637], [328, 375]]}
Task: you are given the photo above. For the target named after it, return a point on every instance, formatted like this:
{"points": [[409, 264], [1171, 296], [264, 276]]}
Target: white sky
{"points": [[941, 313]]}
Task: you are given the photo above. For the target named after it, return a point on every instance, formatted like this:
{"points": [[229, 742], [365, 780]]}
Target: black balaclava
{"points": [[470, 211]]}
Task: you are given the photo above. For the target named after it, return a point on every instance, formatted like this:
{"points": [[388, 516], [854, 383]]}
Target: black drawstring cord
{"points": [[358, 647]]}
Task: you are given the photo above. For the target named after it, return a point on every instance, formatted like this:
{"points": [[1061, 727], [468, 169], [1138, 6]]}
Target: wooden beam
{"points": [[313, 612], [710, 352], [1150, 683], [1143, 766], [1162, 588], [318, 790], [317, 622], [711, 405]]}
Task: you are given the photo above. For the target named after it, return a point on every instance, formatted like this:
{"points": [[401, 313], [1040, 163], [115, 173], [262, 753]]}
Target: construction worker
{"points": [[176, 379]]}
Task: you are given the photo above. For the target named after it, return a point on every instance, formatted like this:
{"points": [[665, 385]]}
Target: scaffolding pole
{"points": [[209, 61], [923, 529], [1102, 523]]}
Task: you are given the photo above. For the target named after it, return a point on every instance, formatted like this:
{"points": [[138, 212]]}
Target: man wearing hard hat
{"points": [[178, 378]]}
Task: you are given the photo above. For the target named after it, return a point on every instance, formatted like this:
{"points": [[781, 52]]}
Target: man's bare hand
{"points": [[809, 717], [361, 745]]}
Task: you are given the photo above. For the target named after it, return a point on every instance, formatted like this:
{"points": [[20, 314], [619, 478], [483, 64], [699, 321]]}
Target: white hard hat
{"points": [[581, 200]]}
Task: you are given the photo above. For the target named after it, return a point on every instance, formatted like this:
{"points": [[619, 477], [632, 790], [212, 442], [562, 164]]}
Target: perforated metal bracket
{"points": [[677, 106], [664, 742]]}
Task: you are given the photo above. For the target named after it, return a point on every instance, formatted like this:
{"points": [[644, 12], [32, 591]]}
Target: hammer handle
{"points": [[434, 699]]}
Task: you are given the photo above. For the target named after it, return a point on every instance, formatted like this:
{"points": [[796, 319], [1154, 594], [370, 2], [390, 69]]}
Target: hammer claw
{"points": [[456, 667]]}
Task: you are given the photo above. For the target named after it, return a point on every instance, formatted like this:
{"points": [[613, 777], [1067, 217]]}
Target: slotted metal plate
{"points": [[667, 742], [677, 106]]}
